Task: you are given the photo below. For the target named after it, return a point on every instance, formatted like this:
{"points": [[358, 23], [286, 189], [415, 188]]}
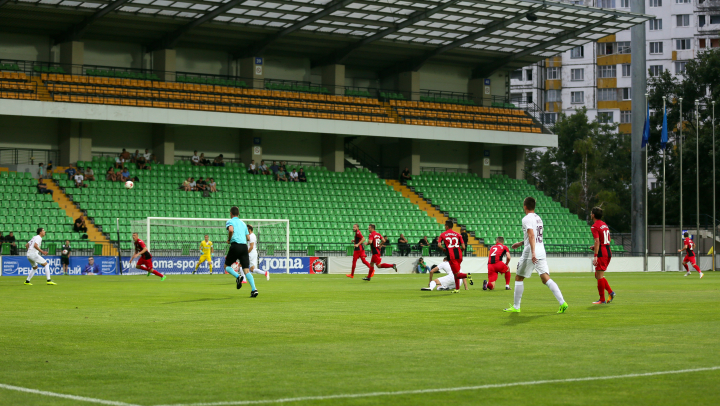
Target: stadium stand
{"points": [[322, 211], [16, 85], [493, 207]]}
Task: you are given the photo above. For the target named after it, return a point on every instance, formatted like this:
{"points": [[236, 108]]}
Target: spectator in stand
{"points": [[201, 185], [193, 184], [294, 176], [89, 174], [91, 268], [110, 175], [119, 163], [422, 266], [65, 256], [405, 176], [147, 156], [49, 169], [185, 185], [436, 247], [464, 235], [79, 180], [125, 156], [70, 171], [125, 175], [153, 159], [134, 157], [252, 170], [79, 225], [263, 168], [423, 243], [41, 171], [212, 185], [274, 168], [195, 159], [301, 176], [403, 246], [140, 161], [281, 177], [42, 189], [204, 161], [10, 239], [219, 161]]}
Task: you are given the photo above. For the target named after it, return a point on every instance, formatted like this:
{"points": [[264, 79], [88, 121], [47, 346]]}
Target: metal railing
{"points": [[369, 162], [23, 156], [444, 170]]}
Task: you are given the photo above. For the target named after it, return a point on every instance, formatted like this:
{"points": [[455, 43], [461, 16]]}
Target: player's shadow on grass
{"points": [[517, 318], [205, 299], [598, 307]]}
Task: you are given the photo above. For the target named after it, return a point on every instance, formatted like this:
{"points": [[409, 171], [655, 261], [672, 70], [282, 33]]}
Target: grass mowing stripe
{"points": [[436, 390], [64, 396]]}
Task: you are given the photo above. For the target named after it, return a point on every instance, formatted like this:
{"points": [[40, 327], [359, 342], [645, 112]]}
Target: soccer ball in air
{"points": [[129, 184]]}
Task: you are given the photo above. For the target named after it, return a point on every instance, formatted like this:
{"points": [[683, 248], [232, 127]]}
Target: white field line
{"points": [[64, 396], [440, 390], [361, 395]]}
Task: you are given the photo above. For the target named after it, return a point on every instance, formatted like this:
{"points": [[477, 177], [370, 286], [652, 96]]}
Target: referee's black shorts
{"points": [[238, 252]]}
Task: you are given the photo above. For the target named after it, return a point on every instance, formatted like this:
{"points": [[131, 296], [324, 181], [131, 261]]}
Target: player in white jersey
{"points": [[446, 282], [33, 256], [533, 257], [253, 253]]}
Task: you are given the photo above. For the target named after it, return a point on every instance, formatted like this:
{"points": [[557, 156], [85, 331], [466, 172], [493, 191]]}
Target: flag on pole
{"points": [[664, 137], [646, 129]]}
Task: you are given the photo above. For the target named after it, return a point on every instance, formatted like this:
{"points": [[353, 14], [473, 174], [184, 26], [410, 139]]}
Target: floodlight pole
{"points": [[681, 181], [639, 104]]}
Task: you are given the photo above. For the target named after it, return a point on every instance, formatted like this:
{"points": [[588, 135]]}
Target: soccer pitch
{"points": [[326, 339]]}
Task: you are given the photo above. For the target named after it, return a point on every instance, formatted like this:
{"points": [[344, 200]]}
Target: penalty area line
{"points": [[442, 390], [65, 396]]}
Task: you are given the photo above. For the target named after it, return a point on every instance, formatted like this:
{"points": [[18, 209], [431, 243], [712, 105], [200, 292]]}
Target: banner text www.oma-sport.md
{"points": [[19, 265]]}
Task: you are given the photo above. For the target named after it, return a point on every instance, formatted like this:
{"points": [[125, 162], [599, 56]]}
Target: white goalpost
{"points": [[181, 236]]}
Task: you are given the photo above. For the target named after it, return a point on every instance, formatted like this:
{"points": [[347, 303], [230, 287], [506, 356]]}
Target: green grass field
{"points": [[196, 339]]}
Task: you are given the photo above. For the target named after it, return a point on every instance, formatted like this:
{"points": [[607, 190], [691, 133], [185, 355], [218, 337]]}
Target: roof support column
{"points": [[252, 70], [409, 152], [163, 138], [409, 86], [514, 161], [72, 57], [638, 72], [480, 91], [75, 138], [164, 62], [250, 147], [479, 162], [333, 152], [333, 77]]}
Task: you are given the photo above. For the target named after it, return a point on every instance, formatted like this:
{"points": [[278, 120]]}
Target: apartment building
{"points": [[597, 75]]}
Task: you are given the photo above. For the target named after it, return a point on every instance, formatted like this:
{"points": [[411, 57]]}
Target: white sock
{"points": [[432, 285], [519, 287], [258, 271], [507, 286], [555, 290], [47, 270], [31, 274]]}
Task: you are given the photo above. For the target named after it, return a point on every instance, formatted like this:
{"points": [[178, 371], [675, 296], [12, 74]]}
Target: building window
{"points": [[528, 74], [656, 48], [683, 20], [680, 67], [655, 3], [624, 3], [577, 52], [607, 71], [715, 19], [626, 70], [577, 97], [516, 74], [605, 117], [549, 118], [607, 48], [607, 94], [627, 93], [577, 74], [655, 24], [682, 1], [626, 117], [682, 44], [529, 97], [553, 73], [714, 42], [623, 47], [606, 3], [701, 43], [701, 21], [655, 70], [554, 95]]}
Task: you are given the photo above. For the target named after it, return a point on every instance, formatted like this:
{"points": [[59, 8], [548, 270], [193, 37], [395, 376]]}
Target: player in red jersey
{"points": [[496, 265], [602, 255], [454, 247], [689, 247], [376, 242], [359, 250], [145, 259]]}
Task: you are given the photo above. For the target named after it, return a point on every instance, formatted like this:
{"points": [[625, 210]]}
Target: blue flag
{"points": [[646, 129], [664, 137]]}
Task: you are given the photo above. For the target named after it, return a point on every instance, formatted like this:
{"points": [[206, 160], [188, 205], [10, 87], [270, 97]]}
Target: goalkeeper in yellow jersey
{"points": [[206, 247]]}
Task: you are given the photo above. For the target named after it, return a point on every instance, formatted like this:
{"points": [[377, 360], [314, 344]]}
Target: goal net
{"points": [[181, 237]]}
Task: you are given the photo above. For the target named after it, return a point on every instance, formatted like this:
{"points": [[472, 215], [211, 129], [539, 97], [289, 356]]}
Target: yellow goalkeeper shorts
{"points": [[204, 258]]}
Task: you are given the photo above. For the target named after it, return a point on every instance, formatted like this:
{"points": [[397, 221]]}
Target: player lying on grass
{"points": [[376, 242], [206, 249], [145, 258], [253, 254], [689, 247], [601, 259], [446, 282], [496, 254], [238, 250], [33, 256]]}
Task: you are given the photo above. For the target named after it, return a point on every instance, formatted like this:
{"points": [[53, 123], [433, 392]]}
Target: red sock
{"points": [[686, 268], [385, 266], [491, 285], [371, 272], [697, 268], [457, 283], [365, 261], [352, 270], [601, 289], [607, 286], [507, 277], [156, 273], [461, 275]]}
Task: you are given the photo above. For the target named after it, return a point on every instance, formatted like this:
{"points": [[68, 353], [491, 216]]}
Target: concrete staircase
{"points": [[73, 212], [353, 161], [479, 249], [42, 90]]}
